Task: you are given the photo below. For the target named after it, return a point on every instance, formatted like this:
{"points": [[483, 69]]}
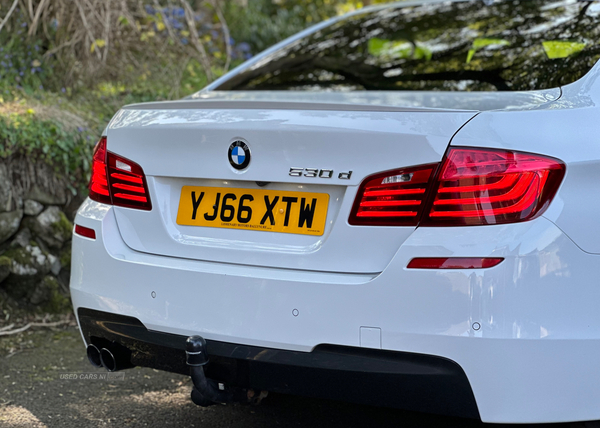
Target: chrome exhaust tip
{"points": [[115, 357], [108, 360], [93, 354]]}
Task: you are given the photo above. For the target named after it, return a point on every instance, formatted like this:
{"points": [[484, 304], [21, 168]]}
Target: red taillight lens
{"points": [[99, 182], [488, 186], [117, 180], [454, 262], [392, 198], [127, 183], [473, 187]]}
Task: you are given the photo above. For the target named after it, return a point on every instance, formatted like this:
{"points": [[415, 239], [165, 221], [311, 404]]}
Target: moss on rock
{"points": [[63, 226], [65, 258], [56, 302], [5, 264], [52, 227], [9, 224], [27, 266]]}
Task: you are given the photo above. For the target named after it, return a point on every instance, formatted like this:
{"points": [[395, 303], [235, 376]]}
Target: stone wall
{"points": [[35, 235]]}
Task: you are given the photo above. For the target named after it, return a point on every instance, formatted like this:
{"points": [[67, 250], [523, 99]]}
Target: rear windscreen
{"points": [[451, 46]]}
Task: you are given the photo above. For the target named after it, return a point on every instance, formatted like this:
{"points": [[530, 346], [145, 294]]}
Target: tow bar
{"points": [[207, 392]]}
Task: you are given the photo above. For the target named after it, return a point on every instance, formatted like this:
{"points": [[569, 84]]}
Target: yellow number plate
{"points": [[253, 209]]}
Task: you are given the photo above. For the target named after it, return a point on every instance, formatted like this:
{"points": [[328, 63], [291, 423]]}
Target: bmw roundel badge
{"points": [[239, 155]]}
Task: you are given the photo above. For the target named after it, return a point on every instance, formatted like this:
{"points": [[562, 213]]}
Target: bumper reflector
{"points": [[454, 262], [85, 231]]}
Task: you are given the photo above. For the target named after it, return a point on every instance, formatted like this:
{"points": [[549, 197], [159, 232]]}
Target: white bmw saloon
{"points": [[397, 207]]}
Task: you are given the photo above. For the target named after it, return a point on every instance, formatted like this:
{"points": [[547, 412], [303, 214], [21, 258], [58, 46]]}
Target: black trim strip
{"points": [[369, 376]]}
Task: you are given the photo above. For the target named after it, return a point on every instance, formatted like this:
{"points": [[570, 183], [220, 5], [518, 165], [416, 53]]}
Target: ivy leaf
{"points": [[561, 49], [98, 43], [483, 43]]}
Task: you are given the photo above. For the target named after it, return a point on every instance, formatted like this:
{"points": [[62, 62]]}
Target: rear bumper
{"points": [[533, 358], [359, 375]]}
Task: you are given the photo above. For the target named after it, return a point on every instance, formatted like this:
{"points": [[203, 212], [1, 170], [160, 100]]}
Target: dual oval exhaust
{"points": [[112, 358], [206, 392]]}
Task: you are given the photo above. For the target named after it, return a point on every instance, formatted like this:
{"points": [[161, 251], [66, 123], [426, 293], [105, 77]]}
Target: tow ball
{"points": [[206, 392]]}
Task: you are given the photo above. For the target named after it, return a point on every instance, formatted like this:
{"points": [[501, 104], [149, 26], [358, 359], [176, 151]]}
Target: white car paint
{"points": [[345, 140], [532, 357], [565, 129]]}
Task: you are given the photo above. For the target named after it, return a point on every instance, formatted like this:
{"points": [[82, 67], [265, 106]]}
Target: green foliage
{"points": [[19, 255], [562, 49], [47, 140], [21, 61], [483, 43], [57, 303], [63, 227], [265, 22], [157, 50], [65, 258], [388, 50]]}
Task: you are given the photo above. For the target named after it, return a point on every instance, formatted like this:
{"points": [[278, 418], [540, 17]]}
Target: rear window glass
{"points": [[451, 46]]}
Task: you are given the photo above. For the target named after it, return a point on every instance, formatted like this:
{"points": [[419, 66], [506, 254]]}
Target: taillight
{"points": [[392, 198], [489, 186], [118, 181], [473, 187], [99, 181], [127, 183]]}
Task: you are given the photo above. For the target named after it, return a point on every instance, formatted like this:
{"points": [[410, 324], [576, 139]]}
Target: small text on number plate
{"points": [[253, 209]]}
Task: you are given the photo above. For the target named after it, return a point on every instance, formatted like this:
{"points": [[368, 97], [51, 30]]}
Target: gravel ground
{"points": [[35, 391]]}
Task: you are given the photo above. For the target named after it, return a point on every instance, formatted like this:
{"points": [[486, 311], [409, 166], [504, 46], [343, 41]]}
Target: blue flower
{"points": [[21, 73], [178, 11], [79, 129], [149, 10], [184, 41], [175, 23], [63, 90], [244, 47], [24, 24], [248, 55], [41, 87]]}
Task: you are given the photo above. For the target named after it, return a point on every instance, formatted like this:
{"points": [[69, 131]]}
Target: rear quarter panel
{"points": [[567, 129]]}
